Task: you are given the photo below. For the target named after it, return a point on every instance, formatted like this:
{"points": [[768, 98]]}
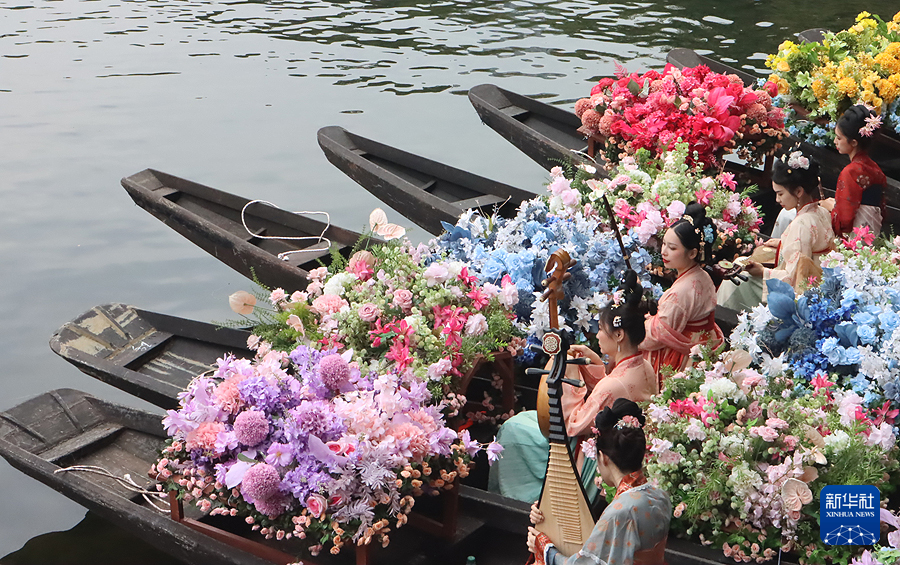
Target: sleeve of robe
{"points": [[847, 197], [803, 237], [672, 316], [580, 408], [633, 521]]}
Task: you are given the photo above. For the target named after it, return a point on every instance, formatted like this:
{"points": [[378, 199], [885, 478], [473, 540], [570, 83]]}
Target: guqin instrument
{"points": [[567, 514]]}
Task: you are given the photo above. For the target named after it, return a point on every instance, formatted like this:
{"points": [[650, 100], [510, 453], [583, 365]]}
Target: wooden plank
{"points": [[81, 441]]}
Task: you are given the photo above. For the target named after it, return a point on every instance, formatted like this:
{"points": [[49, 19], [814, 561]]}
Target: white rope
{"points": [[126, 481], [285, 254]]}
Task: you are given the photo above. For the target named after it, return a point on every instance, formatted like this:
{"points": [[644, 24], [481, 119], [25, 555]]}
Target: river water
{"points": [[230, 94]]}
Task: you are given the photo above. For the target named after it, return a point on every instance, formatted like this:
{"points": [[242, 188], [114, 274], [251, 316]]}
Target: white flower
{"points": [[659, 413], [838, 441], [695, 431], [660, 445], [882, 436], [718, 389], [337, 283]]}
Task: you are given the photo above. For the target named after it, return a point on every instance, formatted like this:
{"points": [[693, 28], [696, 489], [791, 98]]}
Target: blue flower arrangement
{"points": [[849, 326], [495, 247]]}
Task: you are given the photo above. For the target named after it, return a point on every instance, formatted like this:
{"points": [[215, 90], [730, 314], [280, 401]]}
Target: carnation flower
{"points": [[328, 304], [439, 368], [251, 427], [476, 325], [204, 436]]}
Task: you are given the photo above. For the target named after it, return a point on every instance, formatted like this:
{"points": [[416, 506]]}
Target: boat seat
{"points": [[514, 112]]}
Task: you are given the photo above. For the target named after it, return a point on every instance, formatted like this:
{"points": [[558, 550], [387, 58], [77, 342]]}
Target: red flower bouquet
{"points": [[714, 113]]}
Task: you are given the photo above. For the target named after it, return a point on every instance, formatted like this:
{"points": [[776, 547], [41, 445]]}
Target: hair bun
{"points": [[610, 416]]}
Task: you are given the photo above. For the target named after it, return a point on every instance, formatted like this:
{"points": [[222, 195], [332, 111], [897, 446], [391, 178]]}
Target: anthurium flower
{"points": [[242, 302]]}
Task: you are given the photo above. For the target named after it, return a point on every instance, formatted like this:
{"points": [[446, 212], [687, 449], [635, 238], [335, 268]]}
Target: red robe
{"points": [[861, 174]]}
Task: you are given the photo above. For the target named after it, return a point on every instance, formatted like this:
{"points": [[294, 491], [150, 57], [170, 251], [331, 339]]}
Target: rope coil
{"points": [[285, 254], [125, 481]]}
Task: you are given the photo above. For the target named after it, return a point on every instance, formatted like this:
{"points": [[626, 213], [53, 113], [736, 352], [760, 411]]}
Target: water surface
{"points": [[230, 94]]}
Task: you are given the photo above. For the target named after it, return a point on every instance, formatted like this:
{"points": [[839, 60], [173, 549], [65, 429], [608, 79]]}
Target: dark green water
{"points": [[230, 94]]}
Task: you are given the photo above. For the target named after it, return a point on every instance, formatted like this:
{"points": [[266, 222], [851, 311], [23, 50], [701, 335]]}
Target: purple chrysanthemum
{"points": [[261, 482], [334, 371], [251, 427]]}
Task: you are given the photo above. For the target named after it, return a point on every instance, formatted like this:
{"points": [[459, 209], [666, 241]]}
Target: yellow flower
{"points": [[819, 89], [787, 44], [896, 18], [848, 86], [783, 66], [863, 15]]}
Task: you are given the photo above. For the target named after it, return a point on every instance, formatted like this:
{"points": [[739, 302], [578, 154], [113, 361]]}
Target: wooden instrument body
{"points": [[568, 520]]}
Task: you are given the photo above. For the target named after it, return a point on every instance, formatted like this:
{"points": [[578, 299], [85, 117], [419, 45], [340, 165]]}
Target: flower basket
{"points": [[443, 528]]}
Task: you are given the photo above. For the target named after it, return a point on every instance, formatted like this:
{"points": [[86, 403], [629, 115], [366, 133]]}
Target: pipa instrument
{"points": [[567, 514]]}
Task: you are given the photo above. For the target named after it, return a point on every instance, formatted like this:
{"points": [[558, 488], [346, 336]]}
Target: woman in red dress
{"points": [[859, 198]]}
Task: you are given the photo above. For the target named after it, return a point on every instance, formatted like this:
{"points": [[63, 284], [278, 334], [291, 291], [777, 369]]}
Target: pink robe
{"points": [[805, 240], [633, 378], [686, 317]]}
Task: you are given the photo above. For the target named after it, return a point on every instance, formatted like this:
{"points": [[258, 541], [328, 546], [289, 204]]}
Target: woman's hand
{"points": [[532, 536], [828, 204], [772, 242], [577, 351], [755, 269], [536, 515]]}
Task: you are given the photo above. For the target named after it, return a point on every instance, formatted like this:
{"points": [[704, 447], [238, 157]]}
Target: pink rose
{"points": [[278, 295], [369, 312], [403, 299], [754, 411], [317, 505], [765, 432], [296, 323], [570, 198]]}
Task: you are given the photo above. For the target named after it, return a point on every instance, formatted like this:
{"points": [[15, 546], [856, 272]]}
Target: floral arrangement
{"points": [[712, 112], [846, 327], [500, 251], [394, 308], [648, 195], [859, 65], [306, 445], [744, 456], [883, 555]]}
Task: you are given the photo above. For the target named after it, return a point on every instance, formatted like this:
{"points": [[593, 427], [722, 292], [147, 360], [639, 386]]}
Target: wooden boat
{"points": [[425, 191], [66, 428], [211, 219], [152, 356], [546, 133]]}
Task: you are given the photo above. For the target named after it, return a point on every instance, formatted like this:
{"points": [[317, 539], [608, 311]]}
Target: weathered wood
{"points": [[211, 219], [425, 191], [547, 134], [149, 355]]}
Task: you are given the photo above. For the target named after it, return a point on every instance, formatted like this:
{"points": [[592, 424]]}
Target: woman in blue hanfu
{"points": [[633, 528]]}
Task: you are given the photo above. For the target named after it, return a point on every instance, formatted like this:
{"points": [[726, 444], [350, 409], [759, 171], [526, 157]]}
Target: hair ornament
{"points": [[628, 422], [617, 298], [708, 235], [796, 160], [872, 123], [688, 218], [617, 322]]}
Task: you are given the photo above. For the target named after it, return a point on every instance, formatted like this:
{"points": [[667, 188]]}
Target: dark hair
{"points": [[630, 312], [796, 177], [696, 231], [852, 121], [625, 446]]}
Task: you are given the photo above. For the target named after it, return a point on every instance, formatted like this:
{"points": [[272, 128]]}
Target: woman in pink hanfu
{"points": [[687, 310]]}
